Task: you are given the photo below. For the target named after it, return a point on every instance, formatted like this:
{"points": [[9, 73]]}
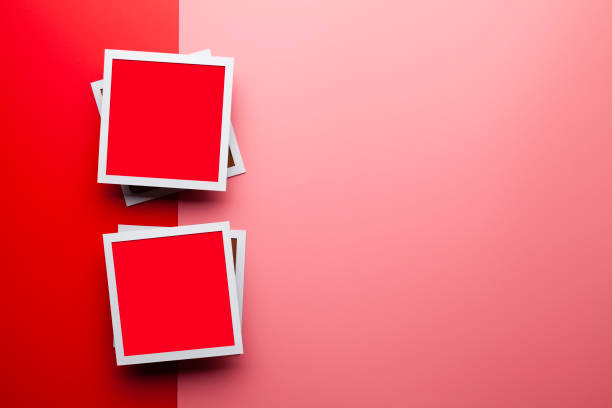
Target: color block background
{"points": [[428, 198]]}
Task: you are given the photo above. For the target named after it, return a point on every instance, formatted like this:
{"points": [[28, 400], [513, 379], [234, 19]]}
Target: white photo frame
{"points": [[228, 63], [122, 359], [239, 260], [133, 198]]}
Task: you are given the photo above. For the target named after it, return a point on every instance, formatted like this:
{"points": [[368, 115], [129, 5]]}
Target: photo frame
{"points": [[164, 232], [134, 196], [113, 55]]}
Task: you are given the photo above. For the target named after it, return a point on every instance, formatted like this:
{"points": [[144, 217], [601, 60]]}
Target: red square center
{"points": [[173, 293], [165, 120]]}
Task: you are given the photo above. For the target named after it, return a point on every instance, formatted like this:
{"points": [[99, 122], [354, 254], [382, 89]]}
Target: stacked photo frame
{"points": [[138, 189]]}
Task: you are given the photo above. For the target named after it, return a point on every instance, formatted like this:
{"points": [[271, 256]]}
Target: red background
{"points": [[56, 351]]}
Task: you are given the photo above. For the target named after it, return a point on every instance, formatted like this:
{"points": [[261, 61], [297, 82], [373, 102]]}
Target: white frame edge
{"points": [[240, 236], [238, 167]]}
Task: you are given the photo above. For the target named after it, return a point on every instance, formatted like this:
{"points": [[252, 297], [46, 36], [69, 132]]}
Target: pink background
{"points": [[427, 199]]}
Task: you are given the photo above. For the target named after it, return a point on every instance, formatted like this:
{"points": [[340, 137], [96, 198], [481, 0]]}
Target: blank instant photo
{"points": [[173, 293], [165, 120], [139, 194], [238, 239]]}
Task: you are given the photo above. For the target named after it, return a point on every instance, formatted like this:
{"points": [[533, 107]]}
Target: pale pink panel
{"points": [[428, 201]]}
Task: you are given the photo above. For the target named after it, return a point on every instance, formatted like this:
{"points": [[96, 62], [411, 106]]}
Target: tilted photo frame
{"points": [[123, 126]]}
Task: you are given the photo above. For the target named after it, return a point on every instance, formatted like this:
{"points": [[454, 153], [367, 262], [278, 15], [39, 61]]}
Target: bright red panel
{"points": [[165, 120], [56, 327], [173, 293]]}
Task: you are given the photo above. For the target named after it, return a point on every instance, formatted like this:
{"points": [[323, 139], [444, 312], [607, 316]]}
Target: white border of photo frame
{"points": [[240, 236], [227, 63], [109, 239]]}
